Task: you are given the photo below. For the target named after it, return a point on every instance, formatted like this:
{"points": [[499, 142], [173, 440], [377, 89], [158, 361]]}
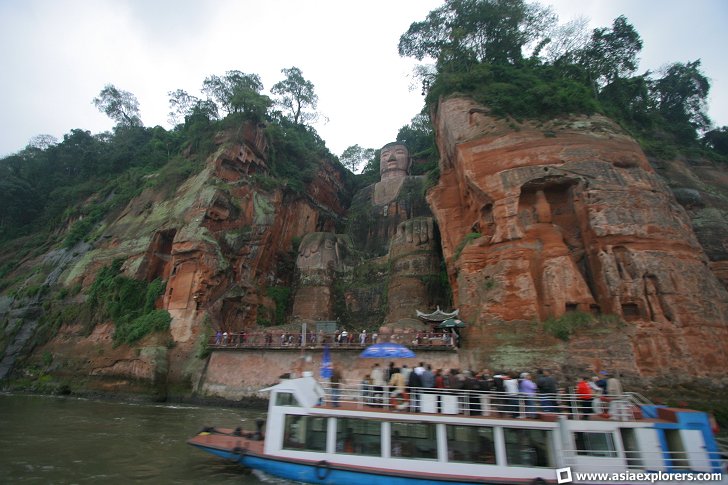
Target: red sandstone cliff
{"points": [[542, 218], [219, 242], [536, 219]]}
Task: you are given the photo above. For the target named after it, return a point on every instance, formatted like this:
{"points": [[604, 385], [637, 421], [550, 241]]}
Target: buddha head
{"points": [[394, 161]]}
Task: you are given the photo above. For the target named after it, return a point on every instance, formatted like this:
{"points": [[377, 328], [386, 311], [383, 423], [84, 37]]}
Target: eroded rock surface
{"points": [[220, 243], [540, 219]]}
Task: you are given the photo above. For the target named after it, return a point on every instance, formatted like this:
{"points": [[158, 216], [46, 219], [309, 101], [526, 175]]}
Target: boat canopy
{"points": [[307, 390]]}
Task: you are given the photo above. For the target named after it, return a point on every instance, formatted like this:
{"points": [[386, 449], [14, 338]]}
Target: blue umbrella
{"points": [[385, 350], [327, 368]]}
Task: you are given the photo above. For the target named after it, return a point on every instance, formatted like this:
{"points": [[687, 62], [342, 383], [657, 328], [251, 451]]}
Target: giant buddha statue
{"points": [[394, 167]]}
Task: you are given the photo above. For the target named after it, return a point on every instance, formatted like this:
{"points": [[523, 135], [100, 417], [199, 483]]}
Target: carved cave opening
{"points": [[160, 255], [631, 311], [548, 215]]}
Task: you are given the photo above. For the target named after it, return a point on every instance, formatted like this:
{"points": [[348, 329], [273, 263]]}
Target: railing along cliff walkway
{"points": [[289, 340]]}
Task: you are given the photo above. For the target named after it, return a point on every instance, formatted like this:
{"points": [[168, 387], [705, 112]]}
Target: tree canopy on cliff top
{"points": [[49, 185], [513, 57]]}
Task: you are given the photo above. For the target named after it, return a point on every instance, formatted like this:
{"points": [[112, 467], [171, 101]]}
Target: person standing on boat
{"points": [[414, 383], [618, 407], [405, 371], [378, 382], [597, 392], [614, 387], [397, 381], [602, 381], [399, 390], [367, 390], [388, 373], [472, 386], [335, 386], [584, 397], [500, 403], [485, 384], [427, 377], [548, 389], [528, 389], [510, 384]]}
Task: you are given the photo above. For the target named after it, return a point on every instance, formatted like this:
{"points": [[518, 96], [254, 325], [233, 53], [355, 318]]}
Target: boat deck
{"points": [[484, 404], [225, 439]]}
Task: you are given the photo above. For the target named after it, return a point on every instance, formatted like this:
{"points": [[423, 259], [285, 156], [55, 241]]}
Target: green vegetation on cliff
{"points": [[514, 58], [61, 193], [128, 302]]}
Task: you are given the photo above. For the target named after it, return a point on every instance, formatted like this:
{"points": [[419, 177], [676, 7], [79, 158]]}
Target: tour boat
{"points": [[359, 434]]}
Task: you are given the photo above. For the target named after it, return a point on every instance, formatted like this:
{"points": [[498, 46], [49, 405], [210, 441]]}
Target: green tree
{"points": [[19, 202], [463, 32], [418, 136], [566, 41], [42, 142], [237, 92], [354, 156], [181, 104], [121, 106], [612, 53], [295, 96], [629, 100], [680, 95], [717, 140]]}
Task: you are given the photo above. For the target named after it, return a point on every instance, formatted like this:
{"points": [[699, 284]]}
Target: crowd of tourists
{"points": [[508, 394]]}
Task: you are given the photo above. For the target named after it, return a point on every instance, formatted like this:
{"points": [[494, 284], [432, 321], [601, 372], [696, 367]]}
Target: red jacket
{"points": [[583, 391]]}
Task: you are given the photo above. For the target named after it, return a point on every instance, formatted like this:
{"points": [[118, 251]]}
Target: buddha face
{"points": [[394, 161]]}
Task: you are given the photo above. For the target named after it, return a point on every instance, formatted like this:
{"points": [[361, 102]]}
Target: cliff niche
{"points": [[397, 242], [542, 220]]}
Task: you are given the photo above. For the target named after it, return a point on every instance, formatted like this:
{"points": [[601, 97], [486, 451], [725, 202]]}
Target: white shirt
{"points": [[511, 386]]}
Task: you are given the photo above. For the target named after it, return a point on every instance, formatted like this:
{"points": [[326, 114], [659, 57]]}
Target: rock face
{"points": [[530, 222], [701, 188], [221, 242], [538, 220], [323, 258]]}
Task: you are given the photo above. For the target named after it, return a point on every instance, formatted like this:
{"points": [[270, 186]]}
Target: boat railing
{"points": [[644, 459], [472, 402], [639, 398]]}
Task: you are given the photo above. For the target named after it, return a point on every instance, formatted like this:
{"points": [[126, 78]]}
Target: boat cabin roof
{"points": [[307, 390]]}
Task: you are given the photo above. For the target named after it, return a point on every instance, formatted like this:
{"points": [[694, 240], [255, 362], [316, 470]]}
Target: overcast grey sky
{"points": [[56, 55]]}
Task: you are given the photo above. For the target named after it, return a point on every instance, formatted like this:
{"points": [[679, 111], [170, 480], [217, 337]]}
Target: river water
{"points": [[66, 440]]}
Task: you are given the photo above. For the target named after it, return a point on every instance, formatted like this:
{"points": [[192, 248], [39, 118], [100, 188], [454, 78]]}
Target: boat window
{"points": [[305, 433], [286, 399], [676, 449], [359, 436], [631, 448], [595, 444], [470, 444], [528, 447], [414, 440]]}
